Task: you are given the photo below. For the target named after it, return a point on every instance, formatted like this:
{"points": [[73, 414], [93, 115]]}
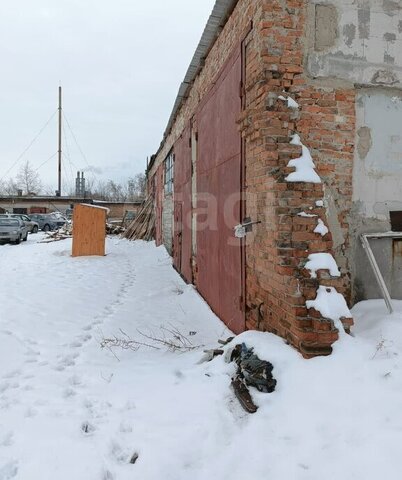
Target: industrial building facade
{"points": [[239, 203]]}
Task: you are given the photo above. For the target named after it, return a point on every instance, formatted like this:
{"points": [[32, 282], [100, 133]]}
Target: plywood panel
{"points": [[89, 230]]}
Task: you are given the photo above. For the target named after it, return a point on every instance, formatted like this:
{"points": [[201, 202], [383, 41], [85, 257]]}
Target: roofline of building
{"points": [[45, 198], [217, 20]]}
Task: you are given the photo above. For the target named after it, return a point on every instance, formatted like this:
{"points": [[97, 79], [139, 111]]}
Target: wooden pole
{"points": [[59, 149]]}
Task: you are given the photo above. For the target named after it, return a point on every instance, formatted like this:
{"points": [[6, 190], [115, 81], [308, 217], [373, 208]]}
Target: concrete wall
{"points": [[356, 40], [358, 43], [377, 187]]}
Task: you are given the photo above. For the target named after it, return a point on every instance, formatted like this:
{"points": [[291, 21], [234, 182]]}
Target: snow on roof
{"points": [[96, 206]]}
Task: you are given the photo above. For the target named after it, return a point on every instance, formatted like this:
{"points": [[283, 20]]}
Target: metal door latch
{"points": [[244, 228]]}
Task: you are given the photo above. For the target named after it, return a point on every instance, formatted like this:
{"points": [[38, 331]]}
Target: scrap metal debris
{"points": [[251, 372]]}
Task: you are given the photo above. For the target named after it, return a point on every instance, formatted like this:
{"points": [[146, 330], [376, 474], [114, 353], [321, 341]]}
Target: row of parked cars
{"points": [[14, 227]]}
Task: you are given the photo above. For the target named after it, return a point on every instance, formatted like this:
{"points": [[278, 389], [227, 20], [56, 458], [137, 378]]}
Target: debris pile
{"points": [[143, 226], [251, 372], [112, 229], [66, 231]]}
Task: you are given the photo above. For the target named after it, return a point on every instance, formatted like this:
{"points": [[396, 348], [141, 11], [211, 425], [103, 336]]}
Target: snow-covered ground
{"points": [[70, 410]]}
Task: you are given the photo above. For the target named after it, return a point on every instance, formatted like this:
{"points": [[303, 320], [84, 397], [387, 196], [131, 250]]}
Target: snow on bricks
{"points": [[322, 261], [330, 304], [304, 165], [278, 285]]}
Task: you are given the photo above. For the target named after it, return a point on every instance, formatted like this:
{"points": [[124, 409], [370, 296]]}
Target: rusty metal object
{"points": [[243, 395], [373, 262]]}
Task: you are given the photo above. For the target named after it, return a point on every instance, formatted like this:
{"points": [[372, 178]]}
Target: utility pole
{"points": [[59, 150]]}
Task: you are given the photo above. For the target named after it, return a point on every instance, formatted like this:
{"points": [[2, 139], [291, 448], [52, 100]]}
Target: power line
{"points": [[48, 160], [75, 140], [29, 146], [67, 155]]}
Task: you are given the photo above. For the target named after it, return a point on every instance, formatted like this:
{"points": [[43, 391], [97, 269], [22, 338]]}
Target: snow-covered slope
{"points": [[70, 410]]}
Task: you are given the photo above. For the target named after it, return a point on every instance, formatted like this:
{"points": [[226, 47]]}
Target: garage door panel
{"points": [[219, 176]]}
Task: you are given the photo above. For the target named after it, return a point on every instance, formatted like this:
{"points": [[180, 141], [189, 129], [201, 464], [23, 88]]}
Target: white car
{"points": [[12, 230]]}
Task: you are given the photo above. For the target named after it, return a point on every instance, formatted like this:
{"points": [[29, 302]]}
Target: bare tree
{"points": [[28, 179], [130, 191], [9, 187], [136, 187]]}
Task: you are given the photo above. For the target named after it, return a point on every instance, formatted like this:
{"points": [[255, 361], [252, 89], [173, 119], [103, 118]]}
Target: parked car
{"points": [[59, 218], [45, 221], [33, 227], [12, 230], [28, 225]]}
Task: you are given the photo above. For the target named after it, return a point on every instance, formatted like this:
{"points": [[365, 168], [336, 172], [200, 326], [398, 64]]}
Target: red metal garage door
{"points": [[219, 183], [182, 208]]}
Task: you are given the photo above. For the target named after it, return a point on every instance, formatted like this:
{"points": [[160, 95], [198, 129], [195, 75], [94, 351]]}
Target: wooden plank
{"points": [[89, 230]]}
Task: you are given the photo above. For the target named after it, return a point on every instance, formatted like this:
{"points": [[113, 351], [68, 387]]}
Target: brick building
{"points": [[47, 204], [264, 71]]}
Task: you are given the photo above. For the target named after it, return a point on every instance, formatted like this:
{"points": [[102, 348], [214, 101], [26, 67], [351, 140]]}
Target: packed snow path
{"points": [[69, 410], [72, 411]]}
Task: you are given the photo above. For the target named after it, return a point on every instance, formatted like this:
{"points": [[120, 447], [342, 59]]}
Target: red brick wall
{"points": [[277, 283]]}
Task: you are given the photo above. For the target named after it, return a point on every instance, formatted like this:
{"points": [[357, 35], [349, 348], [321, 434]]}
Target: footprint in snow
{"points": [[75, 381], [9, 470], [4, 387], [107, 475], [30, 412], [87, 429], [32, 353], [7, 440], [12, 374], [69, 393], [119, 454], [66, 361], [125, 427]]}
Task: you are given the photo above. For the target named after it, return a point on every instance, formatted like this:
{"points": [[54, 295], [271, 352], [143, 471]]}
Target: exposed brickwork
{"points": [[277, 284]]}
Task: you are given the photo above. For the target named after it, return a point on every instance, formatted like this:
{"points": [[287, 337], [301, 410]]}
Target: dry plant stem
{"points": [[178, 342], [175, 342]]}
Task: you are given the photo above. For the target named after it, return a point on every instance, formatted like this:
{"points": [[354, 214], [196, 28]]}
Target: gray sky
{"points": [[120, 64]]}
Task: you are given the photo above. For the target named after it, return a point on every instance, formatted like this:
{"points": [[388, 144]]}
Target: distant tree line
{"points": [[131, 190], [29, 182]]}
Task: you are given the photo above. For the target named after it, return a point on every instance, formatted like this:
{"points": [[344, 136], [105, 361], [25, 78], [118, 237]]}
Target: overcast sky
{"points": [[120, 64]]}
